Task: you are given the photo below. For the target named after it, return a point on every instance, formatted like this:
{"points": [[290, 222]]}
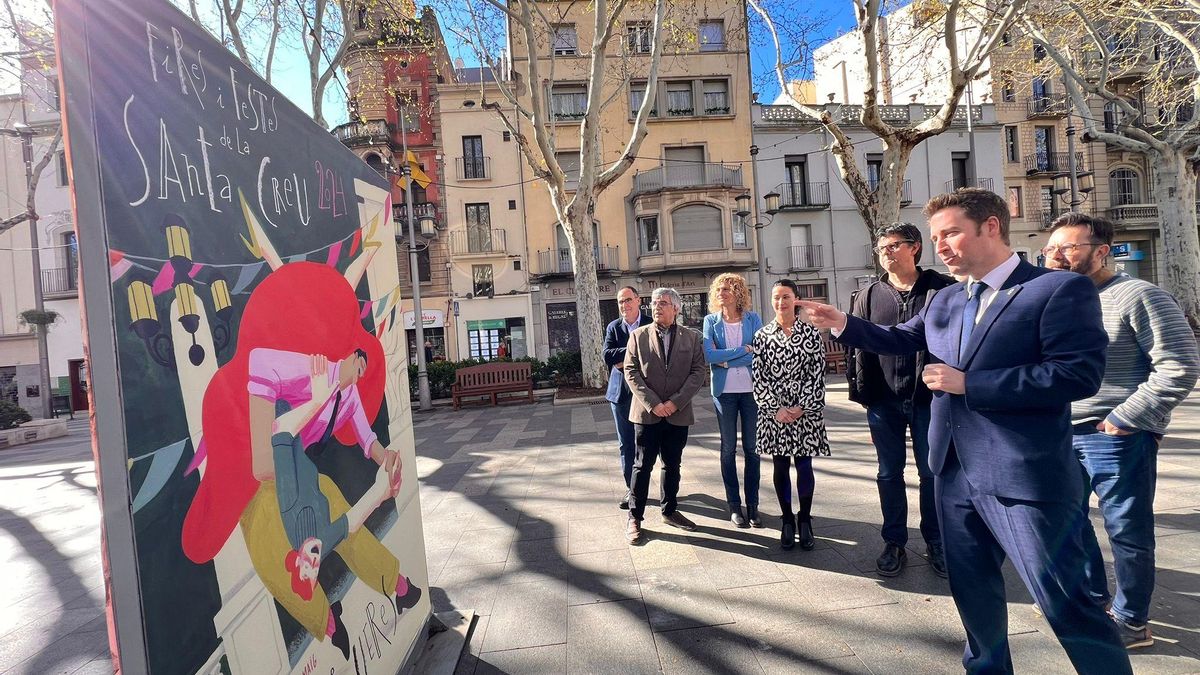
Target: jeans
{"points": [[729, 407], [660, 440], [888, 421], [625, 438], [1121, 470]]}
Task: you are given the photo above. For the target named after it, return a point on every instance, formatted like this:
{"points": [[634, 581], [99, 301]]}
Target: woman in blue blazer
{"points": [[728, 334]]}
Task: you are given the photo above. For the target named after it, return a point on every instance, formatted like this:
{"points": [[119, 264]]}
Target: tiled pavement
{"points": [[51, 585], [521, 526]]}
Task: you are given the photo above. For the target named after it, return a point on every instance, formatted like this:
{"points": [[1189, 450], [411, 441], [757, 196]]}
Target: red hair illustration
{"points": [[307, 308]]}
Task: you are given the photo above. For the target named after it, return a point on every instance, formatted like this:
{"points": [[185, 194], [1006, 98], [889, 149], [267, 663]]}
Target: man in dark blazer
{"points": [[664, 367], [1009, 350], [616, 338]]}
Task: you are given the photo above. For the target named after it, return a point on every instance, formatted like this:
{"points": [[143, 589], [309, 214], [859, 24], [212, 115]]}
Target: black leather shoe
{"points": [[787, 537], [752, 516], [736, 517], [624, 503], [937, 559], [409, 599], [807, 542], [891, 561]]}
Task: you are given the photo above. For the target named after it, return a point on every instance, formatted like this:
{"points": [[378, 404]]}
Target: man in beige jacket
{"points": [[664, 366]]}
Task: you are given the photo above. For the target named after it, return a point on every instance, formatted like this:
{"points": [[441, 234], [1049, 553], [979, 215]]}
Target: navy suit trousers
{"points": [[1044, 542]]}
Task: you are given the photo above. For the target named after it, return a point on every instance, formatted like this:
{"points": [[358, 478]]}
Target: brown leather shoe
{"points": [[633, 531], [677, 519]]}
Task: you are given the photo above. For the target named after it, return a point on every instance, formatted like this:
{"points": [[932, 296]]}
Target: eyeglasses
{"points": [[892, 247], [664, 303], [626, 301], [1067, 249]]}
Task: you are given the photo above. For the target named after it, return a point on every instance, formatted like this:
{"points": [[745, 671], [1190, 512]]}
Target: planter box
{"points": [[37, 430]]}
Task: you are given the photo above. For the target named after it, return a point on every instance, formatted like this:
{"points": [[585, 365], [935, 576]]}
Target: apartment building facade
{"points": [[1041, 139], [394, 67], [36, 106], [818, 238], [491, 309], [670, 219]]}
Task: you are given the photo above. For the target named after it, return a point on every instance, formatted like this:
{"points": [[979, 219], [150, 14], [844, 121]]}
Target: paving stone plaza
{"points": [[522, 526]]}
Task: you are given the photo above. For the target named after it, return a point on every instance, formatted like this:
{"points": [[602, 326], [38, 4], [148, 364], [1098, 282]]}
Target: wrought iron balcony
{"points": [[1049, 105], [474, 167], [420, 210], [1053, 162], [803, 196], [982, 183], [805, 258], [60, 280], [687, 175], [905, 191], [478, 242], [557, 261]]}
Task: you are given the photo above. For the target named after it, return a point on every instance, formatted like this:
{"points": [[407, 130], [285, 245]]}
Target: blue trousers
{"points": [[890, 422], [1045, 542], [729, 408], [625, 437], [1122, 471]]}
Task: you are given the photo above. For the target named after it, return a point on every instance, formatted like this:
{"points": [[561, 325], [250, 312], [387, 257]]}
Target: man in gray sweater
{"points": [[1151, 366]]}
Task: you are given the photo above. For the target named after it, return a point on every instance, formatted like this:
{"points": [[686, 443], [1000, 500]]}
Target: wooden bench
{"points": [[835, 357], [491, 379]]}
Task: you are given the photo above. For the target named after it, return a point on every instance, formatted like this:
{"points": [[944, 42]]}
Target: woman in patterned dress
{"points": [[789, 388]]}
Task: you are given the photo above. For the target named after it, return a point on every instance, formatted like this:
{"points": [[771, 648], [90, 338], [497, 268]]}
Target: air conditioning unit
{"points": [[565, 51]]}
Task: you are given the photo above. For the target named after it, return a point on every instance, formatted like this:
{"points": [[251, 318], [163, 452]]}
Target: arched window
{"points": [[374, 161], [1124, 187], [697, 227]]}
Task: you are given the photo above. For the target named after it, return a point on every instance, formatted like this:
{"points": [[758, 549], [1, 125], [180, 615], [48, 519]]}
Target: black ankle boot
{"points": [[752, 516], [787, 538], [806, 535]]}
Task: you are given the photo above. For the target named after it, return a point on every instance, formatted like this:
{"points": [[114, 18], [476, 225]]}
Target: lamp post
{"points": [[1078, 183], [26, 133], [743, 210], [425, 400]]}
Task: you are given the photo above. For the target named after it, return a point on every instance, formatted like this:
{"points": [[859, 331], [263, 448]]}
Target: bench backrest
{"points": [[493, 374]]}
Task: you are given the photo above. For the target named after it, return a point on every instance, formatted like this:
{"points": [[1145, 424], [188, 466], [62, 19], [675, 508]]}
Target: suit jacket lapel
{"points": [[1004, 296]]}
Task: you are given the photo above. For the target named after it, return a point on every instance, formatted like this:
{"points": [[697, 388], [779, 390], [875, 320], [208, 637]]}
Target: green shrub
{"points": [[12, 415]]}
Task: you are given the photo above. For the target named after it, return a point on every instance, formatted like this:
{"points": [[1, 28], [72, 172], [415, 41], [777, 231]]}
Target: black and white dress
{"points": [[789, 371]]}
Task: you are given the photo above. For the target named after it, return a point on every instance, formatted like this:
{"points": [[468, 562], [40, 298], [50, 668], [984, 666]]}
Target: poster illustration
{"points": [[251, 301]]}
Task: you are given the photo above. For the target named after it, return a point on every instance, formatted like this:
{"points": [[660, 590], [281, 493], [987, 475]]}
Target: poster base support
{"points": [[447, 636]]}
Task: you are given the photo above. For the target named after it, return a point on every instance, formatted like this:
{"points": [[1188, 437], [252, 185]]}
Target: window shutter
{"points": [[697, 227]]}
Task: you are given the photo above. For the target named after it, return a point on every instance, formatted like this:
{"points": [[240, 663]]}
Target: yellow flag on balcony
{"points": [[417, 174]]}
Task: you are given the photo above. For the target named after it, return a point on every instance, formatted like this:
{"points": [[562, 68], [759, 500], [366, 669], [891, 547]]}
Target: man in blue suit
{"points": [[1009, 350], [616, 338]]}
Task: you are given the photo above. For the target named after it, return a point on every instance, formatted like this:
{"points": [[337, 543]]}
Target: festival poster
{"points": [[251, 302]]}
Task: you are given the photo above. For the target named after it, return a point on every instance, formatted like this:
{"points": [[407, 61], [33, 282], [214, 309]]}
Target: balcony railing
{"points": [[1137, 212], [558, 260], [420, 210], [905, 191], [60, 280], [687, 175], [474, 167], [478, 242], [803, 196], [805, 258], [1047, 217], [1052, 162], [1049, 105], [982, 183], [786, 115], [377, 131]]}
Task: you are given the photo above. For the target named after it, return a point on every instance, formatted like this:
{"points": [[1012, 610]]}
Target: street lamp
{"points": [[428, 230], [744, 205], [1074, 180], [26, 134]]}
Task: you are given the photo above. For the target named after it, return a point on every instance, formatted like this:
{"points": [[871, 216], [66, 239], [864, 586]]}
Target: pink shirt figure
{"points": [[277, 375]]}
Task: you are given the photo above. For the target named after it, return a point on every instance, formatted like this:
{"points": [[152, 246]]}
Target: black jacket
{"points": [[875, 378]]}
